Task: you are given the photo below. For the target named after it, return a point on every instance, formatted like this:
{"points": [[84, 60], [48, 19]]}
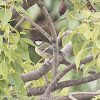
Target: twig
{"points": [[18, 24], [38, 27], [65, 33], [54, 37], [33, 28], [42, 26], [67, 49], [91, 6], [70, 3], [46, 80], [71, 97]]}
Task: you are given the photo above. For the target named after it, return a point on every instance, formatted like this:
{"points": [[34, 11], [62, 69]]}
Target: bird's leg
{"points": [[45, 76]]}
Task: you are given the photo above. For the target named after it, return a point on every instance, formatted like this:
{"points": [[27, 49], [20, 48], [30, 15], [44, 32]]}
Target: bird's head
{"points": [[38, 41]]}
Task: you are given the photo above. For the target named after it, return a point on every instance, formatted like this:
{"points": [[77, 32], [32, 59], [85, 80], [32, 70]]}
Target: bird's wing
{"points": [[48, 50]]}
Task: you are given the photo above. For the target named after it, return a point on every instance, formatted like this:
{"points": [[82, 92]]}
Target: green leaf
{"points": [[87, 66], [6, 33], [77, 43], [61, 31], [74, 1], [14, 38], [83, 28], [98, 62], [88, 34], [73, 18], [23, 50], [1, 40], [5, 16], [77, 5], [20, 9], [78, 58], [94, 51], [86, 13], [28, 41], [15, 80], [66, 39], [10, 52], [4, 68], [96, 15], [98, 43], [2, 2], [3, 86], [64, 91], [95, 33], [22, 90], [18, 67], [19, 0], [96, 97]]}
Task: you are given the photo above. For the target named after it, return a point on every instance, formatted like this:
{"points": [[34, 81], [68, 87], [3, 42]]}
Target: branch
{"points": [[67, 48], [78, 95], [91, 6], [54, 37], [38, 27], [43, 26], [39, 72], [18, 24], [62, 73], [41, 89], [70, 3], [65, 33], [70, 97]]}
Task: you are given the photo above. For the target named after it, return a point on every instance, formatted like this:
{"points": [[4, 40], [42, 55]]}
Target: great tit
{"points": [[44, 49]]}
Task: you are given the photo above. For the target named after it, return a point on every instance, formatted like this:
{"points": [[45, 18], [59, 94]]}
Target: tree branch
{"points": [[91, 6], [78, 95], [38, 27], [65, 33], [62, 73], [54, 37], [44, 25], [41, 89]]}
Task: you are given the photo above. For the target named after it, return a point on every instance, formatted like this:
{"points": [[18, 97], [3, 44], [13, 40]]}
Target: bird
{"points": [[44, 49]]}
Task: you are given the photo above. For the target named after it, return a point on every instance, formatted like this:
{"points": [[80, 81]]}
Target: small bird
{"points": [[44, 49]]}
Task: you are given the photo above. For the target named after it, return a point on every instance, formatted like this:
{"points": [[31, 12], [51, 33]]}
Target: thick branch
{"points": [[65, 33], [39, 72], [54, 37], [41, 89], [62, 73], [78, 95]]}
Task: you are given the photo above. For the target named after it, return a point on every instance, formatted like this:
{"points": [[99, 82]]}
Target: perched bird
{"points": [[44, 49]]}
